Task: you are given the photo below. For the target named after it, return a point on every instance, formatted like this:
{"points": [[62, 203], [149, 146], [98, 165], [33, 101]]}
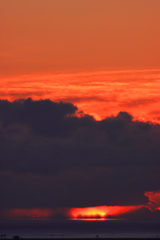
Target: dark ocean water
{"points": [[80, 229]]}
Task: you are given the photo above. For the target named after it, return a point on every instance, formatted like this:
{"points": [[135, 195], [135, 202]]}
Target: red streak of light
{"points": [[90, 213]]}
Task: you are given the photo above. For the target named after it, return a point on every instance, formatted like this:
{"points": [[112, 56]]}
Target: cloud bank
{"points": [[51, 158]]}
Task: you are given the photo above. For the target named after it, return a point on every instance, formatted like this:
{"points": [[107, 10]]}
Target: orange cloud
{"points": [[99, 93]]}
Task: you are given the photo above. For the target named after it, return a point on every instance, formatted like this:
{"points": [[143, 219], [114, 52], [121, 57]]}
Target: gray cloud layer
{"points": [[50, 158]]}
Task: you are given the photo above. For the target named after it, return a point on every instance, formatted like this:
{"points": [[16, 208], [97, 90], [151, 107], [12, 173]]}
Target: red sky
{"points": [[101, 55]]}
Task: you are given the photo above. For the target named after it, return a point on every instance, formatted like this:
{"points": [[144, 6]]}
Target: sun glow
{"points": [[99, 212]]}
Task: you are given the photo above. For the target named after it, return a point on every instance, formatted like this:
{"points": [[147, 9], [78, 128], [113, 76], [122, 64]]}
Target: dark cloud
{"points": [[51, 158], [44, 117]]}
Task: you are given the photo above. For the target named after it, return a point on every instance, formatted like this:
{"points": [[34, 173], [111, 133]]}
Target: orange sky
{"points": [[97, 54], [51, 35]]}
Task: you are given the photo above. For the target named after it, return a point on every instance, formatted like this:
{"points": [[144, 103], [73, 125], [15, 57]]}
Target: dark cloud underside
{"points": [[51, 158]]}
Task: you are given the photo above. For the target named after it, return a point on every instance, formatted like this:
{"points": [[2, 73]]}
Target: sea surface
{"points": [[79, 229]]}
